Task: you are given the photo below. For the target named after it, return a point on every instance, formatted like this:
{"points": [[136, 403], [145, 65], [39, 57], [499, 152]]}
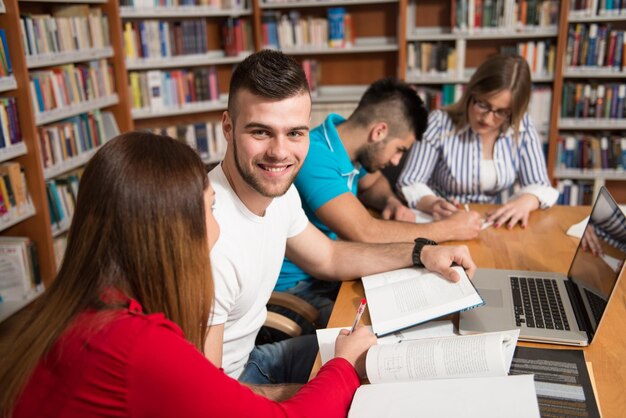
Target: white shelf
{"points": [[58, 58], [584, 17], [452, 78], [593, 72], [129, 12], [188, 108], [338, 94], [195, 60], [592, 124], [8, 83], [446, 34], [9, 307], [69, 164], [26, 212], [319, 3], [75, 109], [12, 151], [589, 174], [362, 45]]}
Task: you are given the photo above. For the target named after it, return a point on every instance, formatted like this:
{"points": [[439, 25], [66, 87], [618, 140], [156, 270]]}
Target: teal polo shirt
{"points": [[327, 172]]}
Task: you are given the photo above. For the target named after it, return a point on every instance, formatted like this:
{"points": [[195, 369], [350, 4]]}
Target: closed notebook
{"points": [[402, 298]]}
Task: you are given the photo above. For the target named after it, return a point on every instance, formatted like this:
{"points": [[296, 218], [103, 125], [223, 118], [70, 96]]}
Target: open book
{"points": [[402, 298], [446, 375]]}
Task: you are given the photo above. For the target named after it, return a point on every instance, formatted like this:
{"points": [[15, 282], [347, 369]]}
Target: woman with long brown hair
{"points": [[479, 147], [121, 330]]}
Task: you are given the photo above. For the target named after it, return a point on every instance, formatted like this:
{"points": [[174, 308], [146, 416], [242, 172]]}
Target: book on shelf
{"points": [[10, 131], [506, 15], [591, 152], [575, 192], [62, 193], [217, 4], [595, 46], [431, 57], [19, 268], [6, 69], [237, 36], [14, 197], [71, 84], [594, 100], [159, 90], [71, 28], [206, 138], [436, 98], [540, 55], [406, 297]]}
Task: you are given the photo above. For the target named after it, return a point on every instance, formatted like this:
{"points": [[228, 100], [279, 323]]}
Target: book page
{"points": [[488, 397], [477, 355], [405, 297], [326, 337]]}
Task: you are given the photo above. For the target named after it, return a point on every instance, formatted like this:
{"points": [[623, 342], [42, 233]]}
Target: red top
{"points": [[137, 365]]}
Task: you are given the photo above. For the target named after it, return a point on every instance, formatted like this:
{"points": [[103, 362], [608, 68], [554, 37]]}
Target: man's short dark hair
{"points": [[269, 74], [394, 102]]}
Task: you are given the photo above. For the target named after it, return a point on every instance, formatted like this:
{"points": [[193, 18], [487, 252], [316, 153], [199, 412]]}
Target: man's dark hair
{"points": [[394, 102], [269, 74]]}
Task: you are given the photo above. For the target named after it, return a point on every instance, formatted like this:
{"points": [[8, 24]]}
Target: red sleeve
{"points": [[168, 377]]}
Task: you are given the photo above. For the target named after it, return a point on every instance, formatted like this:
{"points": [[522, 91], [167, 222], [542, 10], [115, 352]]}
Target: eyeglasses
{"points": [[483, 108]]}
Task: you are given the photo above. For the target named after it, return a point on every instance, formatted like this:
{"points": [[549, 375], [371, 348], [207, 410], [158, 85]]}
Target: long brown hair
{"points": [[139, 227], [497, 73]]}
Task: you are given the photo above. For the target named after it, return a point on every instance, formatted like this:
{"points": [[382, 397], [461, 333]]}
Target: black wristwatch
{"points": [[417, 250]]}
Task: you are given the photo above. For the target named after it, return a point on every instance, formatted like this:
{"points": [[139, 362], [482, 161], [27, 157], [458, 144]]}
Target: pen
{"points": [[359, 312], [466, 206]]}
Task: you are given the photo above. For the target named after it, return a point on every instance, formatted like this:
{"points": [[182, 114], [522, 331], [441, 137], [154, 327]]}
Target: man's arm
{"points": [[348, 218], [375, 192], [326, 259]]}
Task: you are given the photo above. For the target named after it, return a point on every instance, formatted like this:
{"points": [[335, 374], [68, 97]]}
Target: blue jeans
{"points": [[287, 361]]}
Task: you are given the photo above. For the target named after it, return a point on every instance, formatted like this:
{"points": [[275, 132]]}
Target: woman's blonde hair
{"points": [[139, 227], [496, 74]]}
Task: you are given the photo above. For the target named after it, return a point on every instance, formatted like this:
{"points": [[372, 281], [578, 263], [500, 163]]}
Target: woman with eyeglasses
{"points": [[479, 147]]}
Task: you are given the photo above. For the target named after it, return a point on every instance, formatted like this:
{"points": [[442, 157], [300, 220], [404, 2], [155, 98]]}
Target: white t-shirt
{"points": [[246, 262]]}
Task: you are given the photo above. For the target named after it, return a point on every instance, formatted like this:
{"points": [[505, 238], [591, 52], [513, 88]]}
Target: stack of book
{"points": [[207, 139], [507, 15], [164, 38], [597, 101], [69, 29], [574, 193], [589, 152], [62, 193], [71, 84], [437, 98], [218, 4], [237, 36], [5, 59], [540, 55], [14, 198], [595, 46], [19, 268], [10, 132], [161, 90], [431, 57]]}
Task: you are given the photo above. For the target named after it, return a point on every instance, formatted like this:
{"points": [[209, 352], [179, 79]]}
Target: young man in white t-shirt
{"points": [[261, 220]]}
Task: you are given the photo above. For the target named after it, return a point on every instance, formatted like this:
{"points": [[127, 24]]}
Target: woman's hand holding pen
{"points": [[353, 347], [438, 207]]}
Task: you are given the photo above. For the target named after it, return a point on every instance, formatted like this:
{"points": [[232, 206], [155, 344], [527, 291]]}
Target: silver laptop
{"points": [[549, 307]]}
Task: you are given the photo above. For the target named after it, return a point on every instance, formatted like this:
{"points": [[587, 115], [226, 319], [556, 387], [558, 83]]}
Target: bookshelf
{"points": [[587, 125], [35, 221]]}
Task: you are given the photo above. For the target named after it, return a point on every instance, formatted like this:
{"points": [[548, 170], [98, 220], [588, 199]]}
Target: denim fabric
{"points": [[287, 361]]}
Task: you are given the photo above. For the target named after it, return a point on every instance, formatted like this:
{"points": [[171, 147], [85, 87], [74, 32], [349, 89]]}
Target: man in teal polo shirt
{"points": [[341, 178]]}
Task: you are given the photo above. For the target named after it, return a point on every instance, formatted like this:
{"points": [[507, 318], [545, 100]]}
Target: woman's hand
{"points": [[517, 210], [353, 347]]}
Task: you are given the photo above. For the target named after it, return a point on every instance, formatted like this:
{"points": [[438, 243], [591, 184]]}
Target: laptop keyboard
{"points": [[537, 303], [596, 303]]}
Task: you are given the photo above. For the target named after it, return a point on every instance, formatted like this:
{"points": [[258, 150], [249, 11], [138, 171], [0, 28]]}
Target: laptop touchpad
{"points": [[492, 297]]}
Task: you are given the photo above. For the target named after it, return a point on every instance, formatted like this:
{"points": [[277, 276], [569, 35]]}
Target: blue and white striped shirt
{"points": [[449, 160]]}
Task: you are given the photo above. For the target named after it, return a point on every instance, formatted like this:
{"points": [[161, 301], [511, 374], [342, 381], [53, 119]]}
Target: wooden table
{"points": [[542, 246]]}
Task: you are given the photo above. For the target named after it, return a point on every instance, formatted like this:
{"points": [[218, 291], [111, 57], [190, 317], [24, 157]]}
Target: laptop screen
{"points": [[600, 256]]}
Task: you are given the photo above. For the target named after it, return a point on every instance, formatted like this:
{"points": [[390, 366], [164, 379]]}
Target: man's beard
{"points": [[367, 156], [255, 182]]}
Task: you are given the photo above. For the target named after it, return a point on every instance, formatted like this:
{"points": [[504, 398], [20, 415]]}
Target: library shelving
{"points": [[588, 143], [28, 59]]}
